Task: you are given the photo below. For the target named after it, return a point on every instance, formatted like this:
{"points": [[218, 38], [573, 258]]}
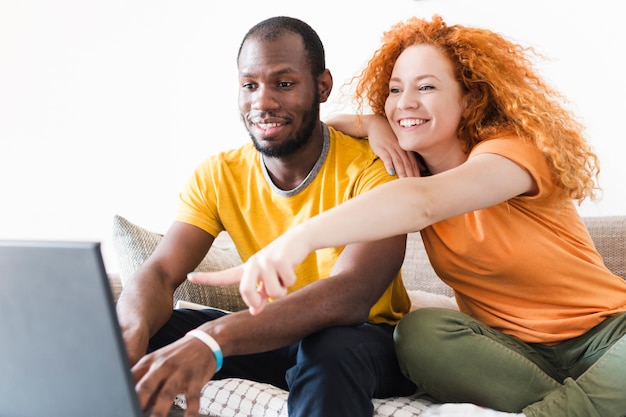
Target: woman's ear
{"points": [[465, 101]]}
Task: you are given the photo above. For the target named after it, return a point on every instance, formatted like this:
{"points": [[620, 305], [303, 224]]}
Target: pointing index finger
{"points": [[224, 277]]}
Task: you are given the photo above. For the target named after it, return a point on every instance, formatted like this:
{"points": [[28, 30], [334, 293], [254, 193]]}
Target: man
{"points": [[329, 342]]}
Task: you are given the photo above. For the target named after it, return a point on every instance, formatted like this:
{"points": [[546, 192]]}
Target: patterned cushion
{"points": [[243, 398], [134, 244]]}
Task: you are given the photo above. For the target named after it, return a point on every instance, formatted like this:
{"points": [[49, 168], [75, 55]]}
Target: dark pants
{"points": [[334, 372]]}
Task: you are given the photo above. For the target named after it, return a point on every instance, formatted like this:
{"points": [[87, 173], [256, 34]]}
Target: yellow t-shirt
{"points": [[229, 191], [528, 266]]}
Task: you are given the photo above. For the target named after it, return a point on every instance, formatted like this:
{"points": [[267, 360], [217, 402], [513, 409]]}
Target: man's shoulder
{"points": [[349, 144], [356, 160], [228, 164], [244, 154]]}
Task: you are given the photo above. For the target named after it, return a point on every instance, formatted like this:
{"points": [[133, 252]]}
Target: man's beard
{"points": [[300, 140]]}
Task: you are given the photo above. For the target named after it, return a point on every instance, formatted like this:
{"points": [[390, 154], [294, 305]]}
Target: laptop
{"points": [[61, 348]]}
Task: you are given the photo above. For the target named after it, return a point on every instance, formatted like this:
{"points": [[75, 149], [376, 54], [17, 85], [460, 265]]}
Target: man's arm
{"points": [[359, 278], [146, 301], [361, 275]]}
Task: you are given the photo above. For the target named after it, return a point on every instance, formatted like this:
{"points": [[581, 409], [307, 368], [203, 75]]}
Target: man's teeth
{"points": [[268, 125], [411, 122]]}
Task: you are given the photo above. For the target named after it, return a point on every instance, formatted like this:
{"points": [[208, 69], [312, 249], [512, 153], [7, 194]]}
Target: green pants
{"points": [[457, 359]]}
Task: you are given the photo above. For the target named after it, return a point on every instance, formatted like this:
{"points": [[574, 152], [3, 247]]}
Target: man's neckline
{"points": [[310, 176]]}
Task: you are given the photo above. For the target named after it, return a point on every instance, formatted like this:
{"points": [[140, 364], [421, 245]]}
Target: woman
{"points": [[542, 320]]}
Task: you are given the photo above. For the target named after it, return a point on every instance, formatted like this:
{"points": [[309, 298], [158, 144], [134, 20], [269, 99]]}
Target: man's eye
{"points": [[285, 84], [247, 85]]}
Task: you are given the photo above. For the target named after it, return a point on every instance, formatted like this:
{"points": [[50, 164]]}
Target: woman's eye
{"points": [[427, 87], [394, 90]]}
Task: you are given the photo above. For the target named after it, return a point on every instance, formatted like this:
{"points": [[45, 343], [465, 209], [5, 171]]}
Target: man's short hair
{"points": [[270, 29]]}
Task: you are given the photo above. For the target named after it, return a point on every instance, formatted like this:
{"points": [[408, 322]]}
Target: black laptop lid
{"points": [[61, 351]]}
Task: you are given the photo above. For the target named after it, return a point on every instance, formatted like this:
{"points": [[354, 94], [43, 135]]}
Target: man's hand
{"points": [[136, 344], [182, 367]]}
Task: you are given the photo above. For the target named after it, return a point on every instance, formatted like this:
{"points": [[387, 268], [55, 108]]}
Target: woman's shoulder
{"points": [[511, 147]]}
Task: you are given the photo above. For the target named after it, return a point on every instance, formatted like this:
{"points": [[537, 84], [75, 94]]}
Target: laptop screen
{"points": [[61, 351]]}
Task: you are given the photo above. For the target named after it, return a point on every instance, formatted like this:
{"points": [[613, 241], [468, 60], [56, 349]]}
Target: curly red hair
{"points": [[505, 96]]}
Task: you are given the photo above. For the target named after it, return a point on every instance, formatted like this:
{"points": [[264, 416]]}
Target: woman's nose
{"points": [[408, 100]]}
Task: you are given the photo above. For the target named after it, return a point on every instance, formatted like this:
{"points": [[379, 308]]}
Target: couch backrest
{"points": [[417, 273], [608, 234], [134, 244]]}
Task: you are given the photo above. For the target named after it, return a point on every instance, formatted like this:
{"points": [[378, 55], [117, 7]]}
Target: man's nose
{"points": [[264, 99]]}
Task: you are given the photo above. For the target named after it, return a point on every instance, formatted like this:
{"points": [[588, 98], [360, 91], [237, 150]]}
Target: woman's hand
{"points": [[382, 140], [385, 144], [265, 275]]}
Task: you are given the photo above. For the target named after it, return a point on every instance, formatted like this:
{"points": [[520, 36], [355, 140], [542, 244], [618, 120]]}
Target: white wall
{"points": [[107, 106]]}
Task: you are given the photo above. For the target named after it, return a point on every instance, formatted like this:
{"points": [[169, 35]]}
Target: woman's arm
{"points": [[382, 141], [395, 208]]}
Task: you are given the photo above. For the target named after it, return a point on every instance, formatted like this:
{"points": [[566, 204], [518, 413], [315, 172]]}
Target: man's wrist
{"points": [[211, 344]]}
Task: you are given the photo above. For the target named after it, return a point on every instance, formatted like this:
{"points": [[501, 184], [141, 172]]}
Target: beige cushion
{"points": [[134, 244], [417, 272], [424, 299]]}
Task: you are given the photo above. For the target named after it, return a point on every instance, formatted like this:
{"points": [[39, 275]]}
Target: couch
{"points": [[239, 398]]}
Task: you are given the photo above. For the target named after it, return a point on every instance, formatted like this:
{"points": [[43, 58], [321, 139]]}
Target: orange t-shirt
{"points": [[527, 266]]}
